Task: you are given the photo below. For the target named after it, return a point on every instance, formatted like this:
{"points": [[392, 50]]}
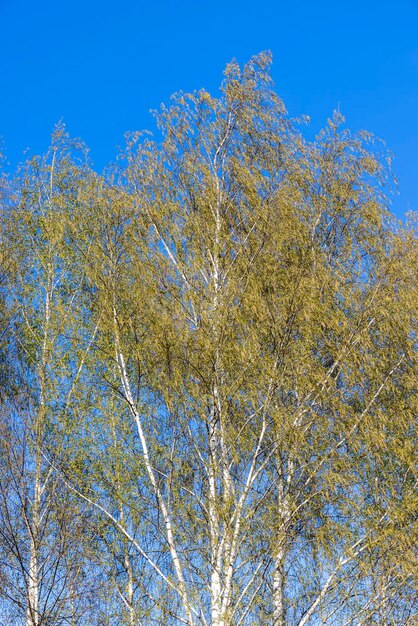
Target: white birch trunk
{"points": [[129, 573], [34, 524], [32, 613], [151, 474], [216, 555], [279, 555], [278, 586]]}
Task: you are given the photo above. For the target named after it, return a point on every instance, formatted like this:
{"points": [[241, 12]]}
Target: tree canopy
{"points": [[208, 364]]}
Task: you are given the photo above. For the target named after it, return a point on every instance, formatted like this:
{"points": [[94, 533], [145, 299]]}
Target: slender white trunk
{"points": [[278, 586], [279, 580], [216, 553], [279, 554], [32, 613], [130, 588], [151, 474], [130, 575], [128, 594]]}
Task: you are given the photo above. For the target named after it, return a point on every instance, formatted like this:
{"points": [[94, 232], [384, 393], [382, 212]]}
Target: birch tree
{"points": [[41, 523]]}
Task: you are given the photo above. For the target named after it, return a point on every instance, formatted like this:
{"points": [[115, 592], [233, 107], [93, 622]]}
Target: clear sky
{"points": [[101, 66]]}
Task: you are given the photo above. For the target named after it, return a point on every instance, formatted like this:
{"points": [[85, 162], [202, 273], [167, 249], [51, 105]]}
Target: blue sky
{"points": [[101, 66]]}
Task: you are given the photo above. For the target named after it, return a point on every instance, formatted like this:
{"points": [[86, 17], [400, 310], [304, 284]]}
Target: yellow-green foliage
{"points": [[220, 340]]}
